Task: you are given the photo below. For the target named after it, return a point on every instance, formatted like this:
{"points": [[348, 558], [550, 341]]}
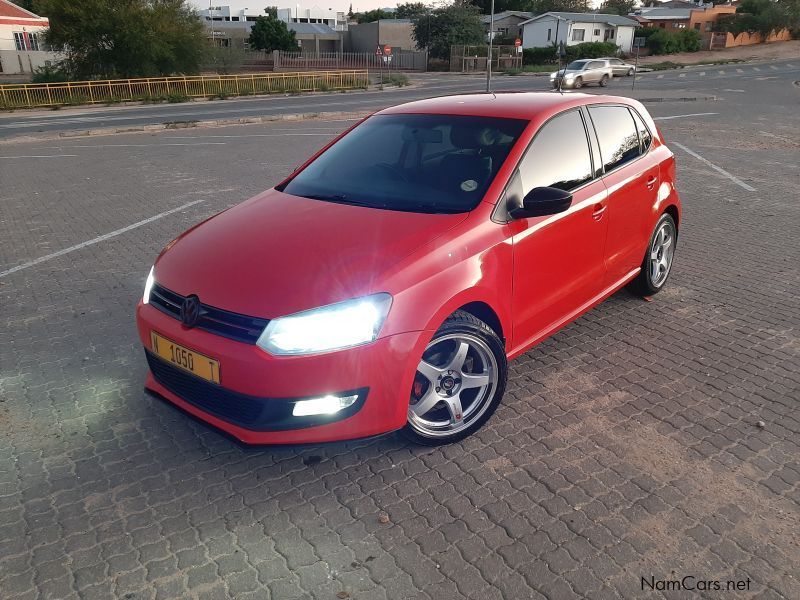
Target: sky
{"points": [[342, 5]]}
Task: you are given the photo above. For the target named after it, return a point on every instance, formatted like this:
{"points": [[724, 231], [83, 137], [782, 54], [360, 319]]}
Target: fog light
{"points": [[327, 405]]}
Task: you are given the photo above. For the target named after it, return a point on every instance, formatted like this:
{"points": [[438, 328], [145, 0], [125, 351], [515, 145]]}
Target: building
{"points": [[236, 12], [671, 19], [575, 28], [366, 37], [22, 47], [507, 23]]}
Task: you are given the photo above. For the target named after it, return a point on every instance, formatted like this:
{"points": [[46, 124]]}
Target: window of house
{"points": [[597, 33], [549, 33], [697, 26], [19, 40], [611, 34], [617, 134], [662, 25], [679, 25], [577, 35], [559, 155], [33, 41]]}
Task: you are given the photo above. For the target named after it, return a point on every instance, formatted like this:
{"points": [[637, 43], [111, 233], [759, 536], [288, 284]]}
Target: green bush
{"points": [[50, 74], [689, 40], [667, 42], [548, 55]]}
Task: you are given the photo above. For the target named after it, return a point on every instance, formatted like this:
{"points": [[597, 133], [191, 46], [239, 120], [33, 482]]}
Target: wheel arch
{"points": [[672, 211]]}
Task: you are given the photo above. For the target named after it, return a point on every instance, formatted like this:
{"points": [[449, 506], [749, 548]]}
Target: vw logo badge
{"points": [[190, 311]]}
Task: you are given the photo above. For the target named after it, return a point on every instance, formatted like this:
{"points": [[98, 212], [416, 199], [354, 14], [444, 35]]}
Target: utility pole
{"points": [[489, 53]]}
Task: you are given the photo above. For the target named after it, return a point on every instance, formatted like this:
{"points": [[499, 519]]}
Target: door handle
{"points": [[651, 182], [599, 209]]}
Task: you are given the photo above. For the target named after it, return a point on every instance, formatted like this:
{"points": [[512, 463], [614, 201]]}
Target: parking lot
{"points": [[646, 442]]}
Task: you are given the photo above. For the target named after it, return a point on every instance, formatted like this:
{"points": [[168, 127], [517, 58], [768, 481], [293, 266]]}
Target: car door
{"points": [[558, 259], [631, 176], [617, 67]]}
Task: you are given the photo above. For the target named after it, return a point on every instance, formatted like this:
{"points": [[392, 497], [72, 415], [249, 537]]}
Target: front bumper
{"points": [[565, 83], [257, 391]]}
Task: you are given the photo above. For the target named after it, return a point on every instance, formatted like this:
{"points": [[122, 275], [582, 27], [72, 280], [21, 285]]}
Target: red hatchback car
{"points": [[386, 283]]}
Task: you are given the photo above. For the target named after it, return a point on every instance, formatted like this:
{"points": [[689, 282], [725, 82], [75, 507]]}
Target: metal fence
{"points": [[473, 58], [176, 88], [401, 60]]}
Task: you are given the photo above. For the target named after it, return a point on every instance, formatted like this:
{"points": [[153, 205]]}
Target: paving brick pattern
{"points": [[627, 445]]}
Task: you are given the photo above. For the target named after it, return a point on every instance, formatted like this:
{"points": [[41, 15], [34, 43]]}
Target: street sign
{"points": [[518, 42], [639, 42], [387, 50], [379, 51]]}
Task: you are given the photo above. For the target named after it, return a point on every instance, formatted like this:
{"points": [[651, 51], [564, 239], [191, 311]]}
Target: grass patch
{"points": [[397, 79], [531, 69], [663, 66]]}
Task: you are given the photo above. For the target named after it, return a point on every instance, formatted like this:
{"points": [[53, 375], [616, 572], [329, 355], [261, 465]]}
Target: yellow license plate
{"points": [[184, 358]]}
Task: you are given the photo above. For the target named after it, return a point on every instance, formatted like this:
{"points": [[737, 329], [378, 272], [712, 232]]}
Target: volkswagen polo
{"points": [[387, 282]]}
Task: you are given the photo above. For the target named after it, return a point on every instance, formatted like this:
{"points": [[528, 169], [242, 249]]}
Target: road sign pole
{"points": [[489, 53], [635, 68]]}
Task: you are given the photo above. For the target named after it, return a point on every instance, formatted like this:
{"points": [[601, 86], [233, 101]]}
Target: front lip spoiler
{"points": [[254, 413]]}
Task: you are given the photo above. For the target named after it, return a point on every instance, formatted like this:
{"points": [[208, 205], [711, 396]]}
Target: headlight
{"points": [[332, 327], [148, 286]]}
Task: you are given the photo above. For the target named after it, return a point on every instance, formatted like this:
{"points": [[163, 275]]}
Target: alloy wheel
{"points": [[662, 251], [455, 382]]}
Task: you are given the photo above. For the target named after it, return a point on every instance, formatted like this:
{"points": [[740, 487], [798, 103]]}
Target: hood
{"points": [[277, 254]]}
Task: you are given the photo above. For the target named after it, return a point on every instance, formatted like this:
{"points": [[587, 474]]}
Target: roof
{"points": [[311, 29], [522, 14], [16, 14], [587, 18], [511, 105], [665, 13]]}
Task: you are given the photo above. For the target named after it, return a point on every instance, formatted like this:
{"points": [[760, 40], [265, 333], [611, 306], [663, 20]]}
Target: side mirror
{"points": [[542, 201]]}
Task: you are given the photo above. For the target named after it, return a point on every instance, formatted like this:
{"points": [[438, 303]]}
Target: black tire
{"points": [[645, 284], [578, 83], [630, 72], [604, 81], [463, 323]]}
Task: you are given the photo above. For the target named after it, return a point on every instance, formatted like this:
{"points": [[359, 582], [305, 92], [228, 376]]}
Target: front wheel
{"points": [[604, 81], [578, 83], [630, 72], [657, 261], [459, 382]]}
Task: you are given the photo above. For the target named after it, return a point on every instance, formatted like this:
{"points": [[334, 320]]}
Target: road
{"points": [[721, 79], [627, 446]]}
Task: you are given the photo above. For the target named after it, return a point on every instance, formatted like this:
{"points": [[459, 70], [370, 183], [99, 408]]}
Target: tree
{"points": [[270, 33], [457, 23], [536, 7], [350, 12], [411, 10], [618, 7], [758, 16], [129, 38], [373, 15]]}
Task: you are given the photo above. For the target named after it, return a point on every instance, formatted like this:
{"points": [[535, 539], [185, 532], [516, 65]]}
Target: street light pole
{"points": [[489, 52]]}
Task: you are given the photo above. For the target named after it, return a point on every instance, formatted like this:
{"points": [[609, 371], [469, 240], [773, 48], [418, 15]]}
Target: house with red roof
{"points": [[22, 47]]}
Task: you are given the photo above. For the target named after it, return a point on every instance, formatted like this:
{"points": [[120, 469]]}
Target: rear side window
{"points": [[616, 132], [559, 155], [645, 137]]}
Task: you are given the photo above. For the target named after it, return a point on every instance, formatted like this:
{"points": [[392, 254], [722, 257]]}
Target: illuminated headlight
{"points": [[327, 405], [148, 286], [332, 327]]}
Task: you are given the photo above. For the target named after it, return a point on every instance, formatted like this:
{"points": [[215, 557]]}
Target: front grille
{"points": [[228, 405], [214, 320], [250, 412]]}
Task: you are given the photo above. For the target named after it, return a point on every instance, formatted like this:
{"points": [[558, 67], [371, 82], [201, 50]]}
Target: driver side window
{"points": [[559, 155]]}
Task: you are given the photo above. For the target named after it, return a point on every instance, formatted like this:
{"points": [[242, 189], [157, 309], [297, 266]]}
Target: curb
{"points": [[182, 125], [351, 115]]}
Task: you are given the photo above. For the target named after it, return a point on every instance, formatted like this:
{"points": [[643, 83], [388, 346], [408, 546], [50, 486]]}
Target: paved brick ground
{"points": [[627, 445]]}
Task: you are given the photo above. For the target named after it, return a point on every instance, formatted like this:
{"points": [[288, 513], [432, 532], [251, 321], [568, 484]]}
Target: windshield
{"points": [[576, 65], [416, 163]]}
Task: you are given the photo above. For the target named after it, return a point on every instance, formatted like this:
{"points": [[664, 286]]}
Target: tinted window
{"points": [[596, 64], [645, 138], [417, 163], [576, 65], [559, 155], [616, 132]]}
